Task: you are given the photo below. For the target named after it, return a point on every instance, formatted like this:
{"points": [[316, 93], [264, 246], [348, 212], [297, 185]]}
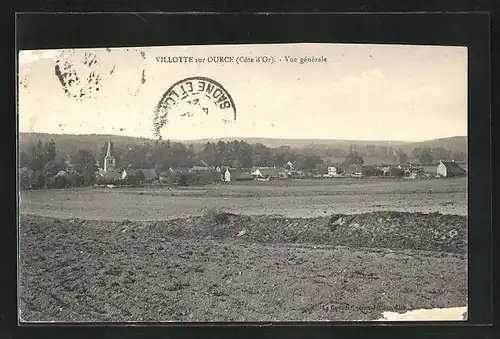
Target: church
{"points": [[109, 172], [109, 159]]}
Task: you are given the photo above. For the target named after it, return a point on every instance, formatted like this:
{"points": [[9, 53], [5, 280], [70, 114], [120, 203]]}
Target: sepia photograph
{"points": [[297, 182]]}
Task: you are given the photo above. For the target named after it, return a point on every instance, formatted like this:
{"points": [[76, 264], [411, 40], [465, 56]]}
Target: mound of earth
{"points": [[392, 230]]}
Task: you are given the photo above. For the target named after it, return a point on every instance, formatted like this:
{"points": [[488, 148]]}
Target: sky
{"points": [[361, 92]]}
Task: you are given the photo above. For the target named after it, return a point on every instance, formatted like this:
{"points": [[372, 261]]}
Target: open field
{"points": [[297, 198], [292, 251]]}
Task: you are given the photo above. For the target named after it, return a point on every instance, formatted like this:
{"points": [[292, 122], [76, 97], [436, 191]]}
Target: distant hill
{"points": [[454, 144], [299, 143], [70, 143]]}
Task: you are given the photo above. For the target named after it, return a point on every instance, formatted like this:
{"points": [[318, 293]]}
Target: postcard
{"points": [[243, 183]]}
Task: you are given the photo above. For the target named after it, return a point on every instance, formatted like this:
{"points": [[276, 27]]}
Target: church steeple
{"points": [[109, 160], [108, 152]]}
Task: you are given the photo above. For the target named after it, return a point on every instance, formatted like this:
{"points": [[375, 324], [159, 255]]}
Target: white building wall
{"points": [[441, 169], [227, 176]]}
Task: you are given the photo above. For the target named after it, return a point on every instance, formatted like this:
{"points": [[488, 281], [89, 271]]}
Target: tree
{"points": [[85, 165], [396, 172], [370, 171], [24, 159], [416, 152], [49, 151], [57, 182], [37, 180], [308, 162], [401, 157], [442, 153], [321, 168], [245, 156], [36, 156], [84, 160], [131, 179], [25, 178], [459, 156], [384, 150], [209, 154], [52, 167], [140, 177], [371, 150], [353, 158], [183, 180], [426, 156], [337, 152]]}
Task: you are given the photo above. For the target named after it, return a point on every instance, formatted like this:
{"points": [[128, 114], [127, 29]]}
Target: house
{"points": [[239, 175], [284, 174], [289, 166], [61, 173], [256, 173], [415, 173], [332, 171], [271, 173], [355, 170], [386, 170], [265, 172], [163, 177], [72, 168], [62, 179], [199, 168], [448, 169], [303, 174], [178, 170], [226, 177], [149, 174], [111, 175]]}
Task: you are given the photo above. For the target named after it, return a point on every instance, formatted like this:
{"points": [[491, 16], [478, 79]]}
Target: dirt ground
{"points": [[226, 267]]}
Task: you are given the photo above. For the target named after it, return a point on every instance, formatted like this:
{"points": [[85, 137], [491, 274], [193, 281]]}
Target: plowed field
{"points": [[88, 255]]}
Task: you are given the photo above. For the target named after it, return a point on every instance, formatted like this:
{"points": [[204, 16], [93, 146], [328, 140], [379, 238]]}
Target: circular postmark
{"points": [[194, 97]]}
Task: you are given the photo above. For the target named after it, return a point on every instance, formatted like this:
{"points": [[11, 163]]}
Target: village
{"points": [[201, 173], [336, 191]]}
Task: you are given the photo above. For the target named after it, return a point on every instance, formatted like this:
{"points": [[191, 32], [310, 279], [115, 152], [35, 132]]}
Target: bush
{"points": [[183, 180], [38, 180], [79, 180], [371, 171], [397, 172], [131, 179], [25, 178], [57, 182], [140, 177]]}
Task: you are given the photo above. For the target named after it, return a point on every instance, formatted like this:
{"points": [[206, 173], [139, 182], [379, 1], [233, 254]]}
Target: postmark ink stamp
{"points": [[194, 96]]}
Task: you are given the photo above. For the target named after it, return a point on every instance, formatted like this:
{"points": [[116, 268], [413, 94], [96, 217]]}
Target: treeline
{"points": [[43, 160], [41, 163], [68, 144], [163, 155]]}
